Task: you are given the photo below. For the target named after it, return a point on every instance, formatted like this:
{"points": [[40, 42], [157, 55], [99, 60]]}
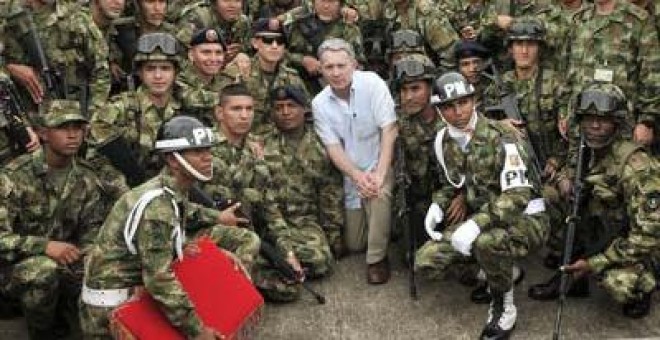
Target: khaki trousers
{"points": [[369, 226]]}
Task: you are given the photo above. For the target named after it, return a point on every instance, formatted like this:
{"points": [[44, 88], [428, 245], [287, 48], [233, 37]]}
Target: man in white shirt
{"points": [[354, 116]]}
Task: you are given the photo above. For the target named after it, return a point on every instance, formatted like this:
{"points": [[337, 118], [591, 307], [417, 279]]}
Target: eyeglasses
{"points": [[601, 101], [411, 68], [406, 38], [269, 40], [148, 43]]}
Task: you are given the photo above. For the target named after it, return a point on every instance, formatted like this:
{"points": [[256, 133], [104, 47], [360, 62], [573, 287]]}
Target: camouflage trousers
{"points": [[628, 283], [47, 295], [494, 250], [242, 242], [309, 243]]}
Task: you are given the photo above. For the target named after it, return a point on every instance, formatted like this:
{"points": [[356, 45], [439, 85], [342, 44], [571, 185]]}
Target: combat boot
{"points": [[550, 290], [480, 295], [638, 308], [501, 316]]}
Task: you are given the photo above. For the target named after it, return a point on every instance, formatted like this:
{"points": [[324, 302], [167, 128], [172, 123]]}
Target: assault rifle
{"points": [[268, 251], [509, 106], [571, 222], [51, 77], [11, 117], [402, 217]]}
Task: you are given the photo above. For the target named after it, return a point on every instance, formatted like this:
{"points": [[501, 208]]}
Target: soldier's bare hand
{"points": [[350, 15], [232, 51], [562, 125], [515, 126], [457, 211], [565, 188], [191, 249], [311, 65], [33, 144], [116, 71], [231, 216], [578, 268], [550, 169], [209, 334], [365, 186], [643, 134], [504, 22], [62, 252], [297, 267], [27, 77]]}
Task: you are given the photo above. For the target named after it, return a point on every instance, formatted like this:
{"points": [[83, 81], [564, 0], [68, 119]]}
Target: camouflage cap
{"points": [[59, 112], [526, 28], [602, 99]]}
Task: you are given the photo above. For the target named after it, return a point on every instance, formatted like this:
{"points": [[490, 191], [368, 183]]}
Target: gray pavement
{"points": [[356, 310]]}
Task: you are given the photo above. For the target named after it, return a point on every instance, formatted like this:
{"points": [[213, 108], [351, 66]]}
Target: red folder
{"points": [[223, 297]]}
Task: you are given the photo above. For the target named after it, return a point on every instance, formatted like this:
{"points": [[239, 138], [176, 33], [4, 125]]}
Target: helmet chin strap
{"points": [[190, 169]]}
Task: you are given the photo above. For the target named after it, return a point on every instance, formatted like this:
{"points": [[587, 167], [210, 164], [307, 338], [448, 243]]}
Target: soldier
{"points": [[622, 52], [309, 189], [51, 208], [152, 213], [422, 16], [505, 216], [472, 58], [252, 190], [224, 15], [126, 131], [268, 70], [617, 236], [354, 116], [308, 32], [205, 68], [75, 51]]}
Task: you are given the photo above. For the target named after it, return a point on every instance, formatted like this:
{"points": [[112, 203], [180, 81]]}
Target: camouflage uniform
{"points": [[39, 205], [507, 232], [111, 265], [73, 46], [309, 194], [201, 15], [436, 31], [254, 190], [133, 117], [261, 84], [620, 48]]}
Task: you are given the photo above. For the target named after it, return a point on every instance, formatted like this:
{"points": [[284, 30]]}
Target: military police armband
{"points": [[514, 174]]}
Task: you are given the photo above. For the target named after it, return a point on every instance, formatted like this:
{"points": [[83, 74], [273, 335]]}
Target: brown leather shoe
{"points": [[379, 272]]}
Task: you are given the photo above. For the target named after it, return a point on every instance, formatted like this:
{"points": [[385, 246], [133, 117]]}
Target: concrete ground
{"points": [[356, 310]]}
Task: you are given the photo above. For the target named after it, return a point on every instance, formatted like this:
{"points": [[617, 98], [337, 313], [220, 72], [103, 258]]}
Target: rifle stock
{"points": [[268, 251]]}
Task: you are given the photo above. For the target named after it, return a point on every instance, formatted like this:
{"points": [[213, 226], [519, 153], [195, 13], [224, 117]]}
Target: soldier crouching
{"points": [[506, 214]]}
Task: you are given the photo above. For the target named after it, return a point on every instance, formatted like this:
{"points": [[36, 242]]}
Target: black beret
{"points": [[207, 36], [294, 93], [469, 49]]}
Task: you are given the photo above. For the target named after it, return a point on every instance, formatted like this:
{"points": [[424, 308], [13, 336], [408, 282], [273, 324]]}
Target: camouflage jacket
{"points": [[309, 189], [200, 15], [624, 187], [73, 45], [242, 175], [132, 116], [496, 187], [434, 28], [110, 264], [417, 137], [34, 210], [621, 48], [260, 84], [539, 108]]}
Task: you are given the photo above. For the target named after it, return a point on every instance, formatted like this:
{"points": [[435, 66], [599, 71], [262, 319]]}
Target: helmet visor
{"points": [[165, 42], [601, 101]]}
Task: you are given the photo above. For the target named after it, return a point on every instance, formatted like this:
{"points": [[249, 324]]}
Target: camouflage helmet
{"points": [[413, 67], [406, 41], [183, 133], [526, 28], [451, 86], [602, 99], [157, 46]]}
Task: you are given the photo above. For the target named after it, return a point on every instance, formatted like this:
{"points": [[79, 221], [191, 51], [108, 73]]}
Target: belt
{"points": [[104, 297]]}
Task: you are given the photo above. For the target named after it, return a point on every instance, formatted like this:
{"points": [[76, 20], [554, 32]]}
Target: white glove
{"points": [[463, 237], [433, 216]]}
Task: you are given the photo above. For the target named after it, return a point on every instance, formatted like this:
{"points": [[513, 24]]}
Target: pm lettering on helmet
{"points": [[202, 135], [455, 89]]}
